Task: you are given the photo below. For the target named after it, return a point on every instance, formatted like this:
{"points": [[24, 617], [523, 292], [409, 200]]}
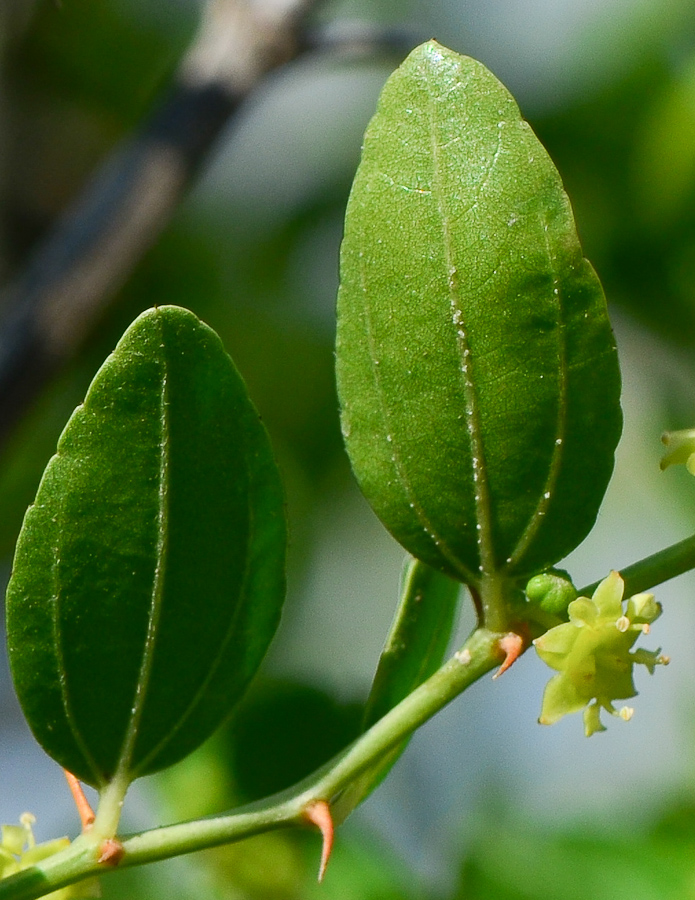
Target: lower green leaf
{"points": [[149, 573], [418, 639], [415, 648]]}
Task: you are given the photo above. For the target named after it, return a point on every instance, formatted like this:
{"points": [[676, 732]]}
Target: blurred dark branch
{"points": [[49, 310], [355, 38]]}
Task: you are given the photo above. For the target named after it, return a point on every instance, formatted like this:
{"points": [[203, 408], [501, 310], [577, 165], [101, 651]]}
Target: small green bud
{"points": [[553, 591]]}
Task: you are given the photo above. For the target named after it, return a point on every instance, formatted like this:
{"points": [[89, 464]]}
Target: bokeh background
{"points": [[485, 803]]}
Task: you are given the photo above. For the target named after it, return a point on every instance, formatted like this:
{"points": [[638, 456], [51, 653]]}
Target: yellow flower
{"points": [[592, 654]]}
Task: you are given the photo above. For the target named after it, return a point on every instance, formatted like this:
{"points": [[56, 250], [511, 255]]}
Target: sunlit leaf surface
{"points": [[477, 370]]}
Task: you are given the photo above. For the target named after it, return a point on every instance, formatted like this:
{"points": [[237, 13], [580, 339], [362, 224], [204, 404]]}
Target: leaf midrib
{"points": [[481, 491]]}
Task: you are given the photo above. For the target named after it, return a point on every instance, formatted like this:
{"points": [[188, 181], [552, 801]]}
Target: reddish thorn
{"points": [[84, 810], [511, 644], [319, 814], [111, 852]]}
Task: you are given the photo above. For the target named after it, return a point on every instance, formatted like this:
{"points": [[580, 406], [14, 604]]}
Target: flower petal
{"points": [[582, 611], [681, 448], [560, 698], [592, 720], [643, 609], [554, 645], [649, 658], [608, 597]]}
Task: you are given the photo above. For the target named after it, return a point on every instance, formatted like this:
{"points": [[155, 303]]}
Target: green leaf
{"points": [[476, 366], [415, 648], [418, 639], [149, 573]]}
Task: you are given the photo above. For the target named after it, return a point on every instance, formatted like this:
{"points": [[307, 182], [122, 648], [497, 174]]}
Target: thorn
{"points": [[85, 811], [319, 814], [511, 644], [110, 852]]}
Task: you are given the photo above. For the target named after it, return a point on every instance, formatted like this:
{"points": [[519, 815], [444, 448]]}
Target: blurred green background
{"points": [[485, 803]]}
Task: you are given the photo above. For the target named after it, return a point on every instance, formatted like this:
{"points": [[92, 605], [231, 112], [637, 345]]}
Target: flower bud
{"points": [[553, 591]]}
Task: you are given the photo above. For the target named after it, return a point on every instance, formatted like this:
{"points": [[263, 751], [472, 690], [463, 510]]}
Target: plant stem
{"points": [[109, 809], [655, 569], [479, 655]]}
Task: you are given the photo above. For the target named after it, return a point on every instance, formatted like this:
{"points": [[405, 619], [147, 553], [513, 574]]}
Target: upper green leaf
{"points": [[477, 370], [149, 573]]}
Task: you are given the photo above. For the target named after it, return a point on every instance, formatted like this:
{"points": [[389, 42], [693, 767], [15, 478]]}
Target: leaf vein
{"points": [[547, 491], [60, 656], [219, 656]]}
